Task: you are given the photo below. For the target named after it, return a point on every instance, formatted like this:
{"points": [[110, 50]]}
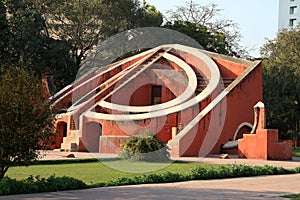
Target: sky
{"points": [[257, 19]]}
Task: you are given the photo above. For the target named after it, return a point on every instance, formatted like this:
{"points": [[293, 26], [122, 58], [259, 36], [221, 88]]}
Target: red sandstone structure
{"points": [[263, 143], [196, 101]]}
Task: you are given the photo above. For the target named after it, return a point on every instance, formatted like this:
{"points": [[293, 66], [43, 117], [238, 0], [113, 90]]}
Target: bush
{"points": [[297, 170], [292, 196], [230, 171], [165, 177], [10, 186], [144, 147]]}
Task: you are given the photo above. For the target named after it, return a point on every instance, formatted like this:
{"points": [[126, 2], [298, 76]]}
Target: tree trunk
{"points": [[3, 170]]}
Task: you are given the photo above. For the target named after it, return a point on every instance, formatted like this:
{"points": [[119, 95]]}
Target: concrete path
{"points": [[57, 155], [265, 187]]}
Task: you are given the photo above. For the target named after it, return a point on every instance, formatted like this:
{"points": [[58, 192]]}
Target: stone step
{"points": [[74, 132], [71, 140], [71, 147], [71, 143]]}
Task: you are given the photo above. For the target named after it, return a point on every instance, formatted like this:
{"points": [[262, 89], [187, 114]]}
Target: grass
{"points": [[293, 196], [95, 172], [296, 152]]}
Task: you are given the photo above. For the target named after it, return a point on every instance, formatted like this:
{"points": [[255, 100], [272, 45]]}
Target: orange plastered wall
{"points": [[229, 69]]}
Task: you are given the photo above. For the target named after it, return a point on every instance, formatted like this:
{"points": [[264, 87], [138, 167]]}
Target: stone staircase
{"points": [[202, 83], [71, 143], [227, 81]]}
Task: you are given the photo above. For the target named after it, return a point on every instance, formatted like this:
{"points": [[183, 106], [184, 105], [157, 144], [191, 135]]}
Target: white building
{"points": [[289, 13]]}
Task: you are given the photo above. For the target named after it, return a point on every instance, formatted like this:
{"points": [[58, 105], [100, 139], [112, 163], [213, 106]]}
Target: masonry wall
{"points": [[240, 102], [219, 126], [264, 145]]}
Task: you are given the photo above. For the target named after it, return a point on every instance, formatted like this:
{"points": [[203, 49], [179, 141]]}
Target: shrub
{"points": [[233, 170], [165, 177], [36, 184], [144, 147], [297, 169], [292, 196]]}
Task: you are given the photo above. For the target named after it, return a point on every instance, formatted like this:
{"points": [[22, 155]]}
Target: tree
{"points": [[281, 85], [223, 34], [25, 121], [3, 32], [24, 42], [53, 37], [85, 23], [215, 42], [147, 16]]}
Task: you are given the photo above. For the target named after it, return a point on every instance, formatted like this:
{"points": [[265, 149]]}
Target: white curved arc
{"points": [[188, 93], [212, 85], [76, 105], [240, 126], [96, 76]]}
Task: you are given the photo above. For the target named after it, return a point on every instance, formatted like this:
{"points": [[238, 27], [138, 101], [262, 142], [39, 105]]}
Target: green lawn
{"points": [[96, 172], [296, 152]]}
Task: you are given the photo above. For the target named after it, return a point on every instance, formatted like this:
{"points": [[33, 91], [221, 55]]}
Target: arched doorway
{"points": [[91, 136], [61, 130]]}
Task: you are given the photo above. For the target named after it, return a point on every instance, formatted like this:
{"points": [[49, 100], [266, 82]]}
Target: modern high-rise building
{"points": [[289, 14]]}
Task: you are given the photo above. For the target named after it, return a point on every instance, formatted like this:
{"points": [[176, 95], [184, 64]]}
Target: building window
{"points": [[293, 10], [292, 22], [156, 95]]}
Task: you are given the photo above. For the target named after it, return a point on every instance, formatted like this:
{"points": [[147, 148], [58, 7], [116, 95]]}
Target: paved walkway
{"points": [[263, 187], [57, 155]]}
